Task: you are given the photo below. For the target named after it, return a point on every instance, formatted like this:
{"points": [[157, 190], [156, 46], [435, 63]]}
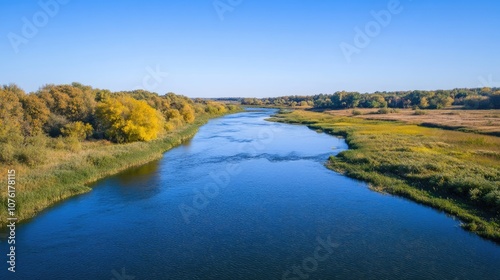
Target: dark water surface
{"points": [[246, 199]]}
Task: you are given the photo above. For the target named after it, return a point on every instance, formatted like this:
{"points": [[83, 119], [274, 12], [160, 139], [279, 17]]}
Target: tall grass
{"points": [[453, 171]]}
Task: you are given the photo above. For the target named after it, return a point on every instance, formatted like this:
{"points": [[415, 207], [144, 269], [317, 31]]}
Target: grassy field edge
{"points": [[474, 220]]}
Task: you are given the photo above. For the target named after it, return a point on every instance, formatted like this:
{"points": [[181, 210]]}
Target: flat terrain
{"points": [[454, 171], [479, 121]]}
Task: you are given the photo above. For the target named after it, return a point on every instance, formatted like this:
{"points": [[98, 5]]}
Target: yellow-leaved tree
{"points": [[188, 113], [78, 130], [126, 119]]}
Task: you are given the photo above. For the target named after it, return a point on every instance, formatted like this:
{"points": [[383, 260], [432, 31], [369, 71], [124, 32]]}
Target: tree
{"points": [[78, 130], [102, 95], [439, 101], [11, 117], [377, 101], [127, 120], [69, 101], [174, 119], [187, 112], [352, 100], [495, 99], [54, 124], [36, 114], [11, 108], [424, 103], [216, 108]]}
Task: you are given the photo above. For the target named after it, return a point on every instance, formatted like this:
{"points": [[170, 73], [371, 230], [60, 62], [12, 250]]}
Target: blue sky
{"points": [[256, 48]]}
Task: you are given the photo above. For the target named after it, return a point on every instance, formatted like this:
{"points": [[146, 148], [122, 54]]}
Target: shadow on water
{"points": [[261, 222], [141, 182], [135, 176]]}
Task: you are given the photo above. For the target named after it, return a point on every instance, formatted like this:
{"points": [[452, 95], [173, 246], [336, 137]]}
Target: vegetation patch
{"points": [[452, 171], [61, 138]]}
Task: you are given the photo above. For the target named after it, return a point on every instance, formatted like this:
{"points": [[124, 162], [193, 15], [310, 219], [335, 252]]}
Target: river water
{"points": [[246, 199]]}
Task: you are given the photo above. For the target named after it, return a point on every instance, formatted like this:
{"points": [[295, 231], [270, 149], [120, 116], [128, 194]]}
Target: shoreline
{"points": [[71, 178], [474, 219]]}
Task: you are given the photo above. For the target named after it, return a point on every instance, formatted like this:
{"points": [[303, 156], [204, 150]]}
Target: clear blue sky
{"points": [[260, 48]]}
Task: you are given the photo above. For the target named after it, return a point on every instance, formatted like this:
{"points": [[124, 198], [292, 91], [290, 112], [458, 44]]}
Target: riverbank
{"points": [[452, 171], [69, 173]]}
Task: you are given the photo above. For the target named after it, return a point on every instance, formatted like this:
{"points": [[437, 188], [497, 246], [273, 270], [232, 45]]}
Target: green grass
{"points": [[452, 171], [71, 173]]}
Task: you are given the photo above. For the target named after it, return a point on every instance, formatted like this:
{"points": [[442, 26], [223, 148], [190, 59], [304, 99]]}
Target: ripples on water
{"points": [[263, 221]]}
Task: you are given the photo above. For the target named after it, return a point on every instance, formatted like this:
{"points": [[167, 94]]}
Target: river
{"points": [[246, 199]]}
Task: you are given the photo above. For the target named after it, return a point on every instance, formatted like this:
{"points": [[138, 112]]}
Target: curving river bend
{"points": [[246, 199]]}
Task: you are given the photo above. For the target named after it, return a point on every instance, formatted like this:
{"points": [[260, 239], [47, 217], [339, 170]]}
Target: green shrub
{"points": [[7, 153], [58, 143], [493, 198], [384, 111], [32, 155], [78, 130], [419, 112], [356, 112], [73, 144], [55, 124], [38, 140]]}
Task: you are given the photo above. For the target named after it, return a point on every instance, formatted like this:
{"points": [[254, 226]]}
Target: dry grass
{"points": [[479, 121], [450, 170]]}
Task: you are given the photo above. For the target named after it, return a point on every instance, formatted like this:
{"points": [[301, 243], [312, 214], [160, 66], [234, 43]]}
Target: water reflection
{"points": [[135, 175], [266, 220]]}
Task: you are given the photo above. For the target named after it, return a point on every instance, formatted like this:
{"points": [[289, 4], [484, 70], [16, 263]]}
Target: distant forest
{"points": [[478, 98]]}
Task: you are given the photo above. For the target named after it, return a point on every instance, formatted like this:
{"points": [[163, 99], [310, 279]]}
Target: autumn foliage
{"points": [[62, 116], [127, 120]]}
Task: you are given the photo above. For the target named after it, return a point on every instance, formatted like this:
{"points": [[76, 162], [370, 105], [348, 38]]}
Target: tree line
{"points": [[477, 98], [62, 116]]}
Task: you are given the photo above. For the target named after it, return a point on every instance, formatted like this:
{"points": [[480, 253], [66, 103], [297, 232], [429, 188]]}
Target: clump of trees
{"points": [[63, 116], [126, 119], [478, 98]]}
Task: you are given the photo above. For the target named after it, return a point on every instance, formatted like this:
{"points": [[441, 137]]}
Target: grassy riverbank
{"points": [[68, 173], [452, 171]]}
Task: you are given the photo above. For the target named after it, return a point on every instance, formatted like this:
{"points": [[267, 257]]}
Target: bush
{"points": [[187, 113], [58, 143], [493, 198], [383, 111], [169, 126], [174, 123], [73, 144], [55, 124], [356, 112], [419, 112], [38, 140], [7, 153], [32, 156], [78, 130]]}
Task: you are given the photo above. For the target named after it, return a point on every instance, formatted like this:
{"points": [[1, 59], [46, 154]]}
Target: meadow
{"points": [[454, 171], [452, 118]]}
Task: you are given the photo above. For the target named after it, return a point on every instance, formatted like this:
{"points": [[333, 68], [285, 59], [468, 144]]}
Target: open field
{"points": [[453, 171], [479, 121]]}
